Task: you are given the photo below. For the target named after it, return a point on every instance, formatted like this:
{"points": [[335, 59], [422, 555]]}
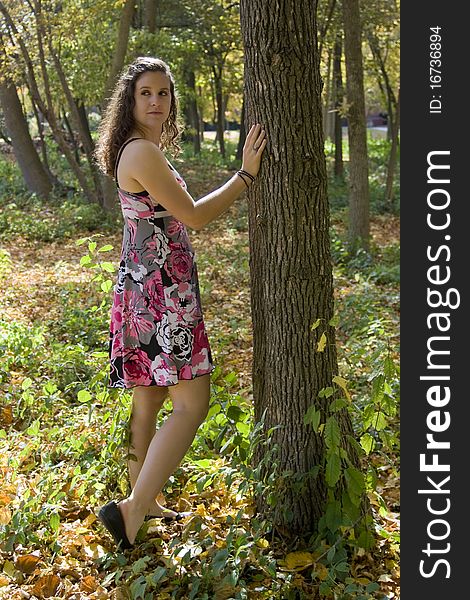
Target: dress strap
{"points": [[119, 156]]}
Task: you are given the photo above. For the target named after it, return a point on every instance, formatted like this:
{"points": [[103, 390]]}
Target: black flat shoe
{"points": [[177, 517], [111, 517]]}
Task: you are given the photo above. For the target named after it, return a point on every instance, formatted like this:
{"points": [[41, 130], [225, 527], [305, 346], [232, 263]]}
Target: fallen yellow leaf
{"points": [[89, 584], [27, 563], [5, 515], [342, 384], [91, 518], [201, 510], [7, 415], [321, 343], [8, 493], [46, 586], [294, 560], [9, 568]]}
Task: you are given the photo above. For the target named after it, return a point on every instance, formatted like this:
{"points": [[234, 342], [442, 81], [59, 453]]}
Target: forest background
{"points": [[62, 430]]}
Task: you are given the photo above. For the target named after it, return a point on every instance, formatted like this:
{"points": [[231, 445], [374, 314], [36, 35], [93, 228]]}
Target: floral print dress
{"points": [[157, 332]]}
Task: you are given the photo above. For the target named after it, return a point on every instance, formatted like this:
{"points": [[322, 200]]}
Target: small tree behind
{"points": [[359, 227]]}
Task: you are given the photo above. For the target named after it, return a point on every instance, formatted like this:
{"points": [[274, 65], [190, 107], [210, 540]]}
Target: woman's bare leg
{"points": [[170, 443], [146, 404]]}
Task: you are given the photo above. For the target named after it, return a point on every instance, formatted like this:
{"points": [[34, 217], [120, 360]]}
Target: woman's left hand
{"points": [[255, 144]]}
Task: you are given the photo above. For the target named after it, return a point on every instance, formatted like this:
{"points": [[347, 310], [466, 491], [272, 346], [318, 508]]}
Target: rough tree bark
{"points": [[359, 227], [34, 174], [290, 264]]}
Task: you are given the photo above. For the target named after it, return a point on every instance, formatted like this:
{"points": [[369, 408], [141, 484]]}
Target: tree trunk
{"points": [[219, 99], [152, 7], [327, 115], [84, 125], [388, 92], [392, 159], [201, 117], [107, 186], [45, 160], [242, 137], [34, 174], [80, 124], [72, 141], [290, 263], [119, 53], [357, 133], [338, 103], [323, 29], [4, 136], [191, 110], [45, 103], [108, 192]]}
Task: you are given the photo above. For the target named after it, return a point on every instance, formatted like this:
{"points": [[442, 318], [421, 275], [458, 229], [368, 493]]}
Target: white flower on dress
{"points": [[162, 333], [162, 250]]}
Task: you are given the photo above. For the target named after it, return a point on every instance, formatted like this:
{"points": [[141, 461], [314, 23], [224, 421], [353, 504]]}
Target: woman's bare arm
{"points": [[146, 164]]}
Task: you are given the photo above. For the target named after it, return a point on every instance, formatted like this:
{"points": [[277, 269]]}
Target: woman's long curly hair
{"points": [[118, 120]]}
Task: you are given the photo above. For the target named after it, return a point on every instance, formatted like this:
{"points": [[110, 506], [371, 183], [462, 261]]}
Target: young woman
{"points": [[158, 342]]}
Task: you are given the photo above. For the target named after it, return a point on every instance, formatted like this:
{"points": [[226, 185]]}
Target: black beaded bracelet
{"points": [[244, 180], [247, 174]]}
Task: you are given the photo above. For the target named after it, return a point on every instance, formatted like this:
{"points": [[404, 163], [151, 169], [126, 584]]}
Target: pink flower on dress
{"points": [[200, 338], [137, 367], [137, 321], [175, 227], [135, 208], [116, 314], [132, 226], [186, 372], [162, 372], [133, 255], [179, 264], [116, 344], [155, 292], [182, 304], [157, 248], [201, 363]]}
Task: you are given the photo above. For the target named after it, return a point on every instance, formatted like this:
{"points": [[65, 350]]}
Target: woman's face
{"points": [[152, 97]]}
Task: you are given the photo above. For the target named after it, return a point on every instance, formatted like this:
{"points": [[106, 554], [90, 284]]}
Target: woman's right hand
{"points": [[255, 144]]}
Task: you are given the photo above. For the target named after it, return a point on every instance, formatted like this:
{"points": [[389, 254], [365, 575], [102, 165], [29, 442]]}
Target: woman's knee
{"points": [[147, 401], [194, 409], [192, 397]]}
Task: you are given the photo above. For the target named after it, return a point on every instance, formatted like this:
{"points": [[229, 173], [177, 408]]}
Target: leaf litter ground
{"points": [[31, 294]]}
